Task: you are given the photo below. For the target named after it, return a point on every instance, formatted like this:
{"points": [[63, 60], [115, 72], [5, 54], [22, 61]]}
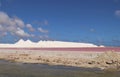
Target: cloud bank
{"points": [[12, 25], [16, 27], [29, 26], [42, 30]]}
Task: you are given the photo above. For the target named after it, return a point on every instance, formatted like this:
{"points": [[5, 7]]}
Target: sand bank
{"points": [[101, 60]]}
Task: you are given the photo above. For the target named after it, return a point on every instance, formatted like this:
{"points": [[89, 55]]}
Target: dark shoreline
{"points": [[15, 69], [56, 66]]}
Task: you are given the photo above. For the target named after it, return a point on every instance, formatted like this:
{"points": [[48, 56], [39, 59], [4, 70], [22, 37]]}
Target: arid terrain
{"points": [[79, 57]]}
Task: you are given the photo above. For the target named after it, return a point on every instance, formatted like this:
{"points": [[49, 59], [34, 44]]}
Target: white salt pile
{"points": [[47, 44]]}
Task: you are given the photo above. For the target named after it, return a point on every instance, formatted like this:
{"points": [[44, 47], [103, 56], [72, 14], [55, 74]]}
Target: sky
{"points": [[91, 21]]}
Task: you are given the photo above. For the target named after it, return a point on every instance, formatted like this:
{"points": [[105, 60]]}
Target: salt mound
{"points": [[47, 44], [64, 44], [101, 46], [21, 41]]}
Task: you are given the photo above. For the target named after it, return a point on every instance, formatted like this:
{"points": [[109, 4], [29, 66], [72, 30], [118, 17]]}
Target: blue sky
{"points": [[94, 21]]}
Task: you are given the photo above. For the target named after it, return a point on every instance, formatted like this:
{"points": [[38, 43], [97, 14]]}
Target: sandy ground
{"points": [[101, 60]]}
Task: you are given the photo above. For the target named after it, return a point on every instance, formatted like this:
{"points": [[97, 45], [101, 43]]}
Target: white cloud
{"points": [[117, 13], [19, 22], [19, 32], [44, 37], [3, 34], [1, 28], [42, 30], [16, 27], [3, 18], [12, 25], [32, 35], [7, 21], [29, 26]]}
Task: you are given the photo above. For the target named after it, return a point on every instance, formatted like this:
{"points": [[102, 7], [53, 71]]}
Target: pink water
{"points": [[91, 49]]}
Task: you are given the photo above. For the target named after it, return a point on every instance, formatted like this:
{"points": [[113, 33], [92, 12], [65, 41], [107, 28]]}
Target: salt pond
{"points": [[8, 69]]}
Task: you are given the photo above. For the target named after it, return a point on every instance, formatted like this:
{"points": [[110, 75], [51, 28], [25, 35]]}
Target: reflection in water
{"points": [[8, 69]]}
